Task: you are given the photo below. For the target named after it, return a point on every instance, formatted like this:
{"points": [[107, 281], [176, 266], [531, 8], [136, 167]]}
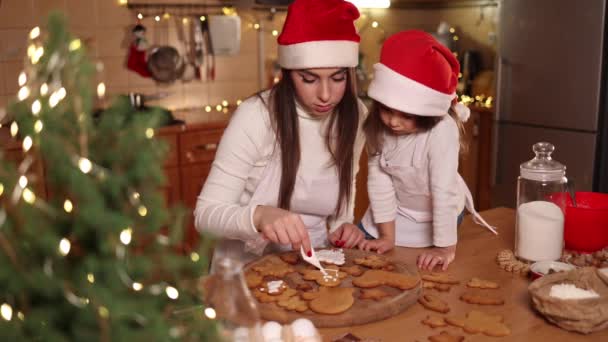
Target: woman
{"points": [[285, 167]]}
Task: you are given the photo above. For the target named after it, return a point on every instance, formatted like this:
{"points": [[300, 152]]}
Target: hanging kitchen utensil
{"points": [[183, 34], [165, 63], [199, 46], [210, 60]]}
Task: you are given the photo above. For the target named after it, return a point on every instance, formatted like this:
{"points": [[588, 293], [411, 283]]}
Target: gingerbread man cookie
{"points": [[374, 278], [481, 322]]}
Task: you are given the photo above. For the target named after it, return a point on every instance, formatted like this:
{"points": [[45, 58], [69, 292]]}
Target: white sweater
{"points": [[420, 183], [223, 207]]}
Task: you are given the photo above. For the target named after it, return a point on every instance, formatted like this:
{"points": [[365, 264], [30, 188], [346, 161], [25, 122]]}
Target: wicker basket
{"points": [[580, 315]]}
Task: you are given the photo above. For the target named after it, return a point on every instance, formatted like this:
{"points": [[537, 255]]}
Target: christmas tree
{"points": [[89, 263]]}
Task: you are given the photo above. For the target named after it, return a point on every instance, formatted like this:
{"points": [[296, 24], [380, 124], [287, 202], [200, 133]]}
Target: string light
{"points": [[91, 278], [85, 165], [14, 129], [38, 125], [122, 2], [38, 53], [256, 26], [137, 286], [27, 143], [166, 15], [101, 89], [455, 38], [75, 45], [44, 89], [54, 99], [23, 93], [375, 24], [142, 211], [36, 107], [135, 195], [61, 93], [22, 79], [29, 196], [125, 236], [225, 103], [275, 33], [103, 312], [194, 257], [157, 18], [238, 102], [6, 311], [68, 206], [1, 189], [218, 108], [20, 315], [207, 109], [140, 16], [452, 30], [203, 18], [149, 133], [35, 33], [64, 246], [210, 313], [23, 182], [185, 21], [171, 292]]}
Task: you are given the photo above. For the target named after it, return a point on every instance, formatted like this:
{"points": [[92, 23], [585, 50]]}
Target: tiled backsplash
{"points": [[105, 27]]}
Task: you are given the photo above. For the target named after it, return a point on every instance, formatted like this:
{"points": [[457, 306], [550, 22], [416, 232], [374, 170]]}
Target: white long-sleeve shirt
{"points": [[415, 182], [223, 207]]}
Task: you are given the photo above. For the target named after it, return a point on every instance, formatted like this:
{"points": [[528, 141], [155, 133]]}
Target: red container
{"points": [[586, 225]]}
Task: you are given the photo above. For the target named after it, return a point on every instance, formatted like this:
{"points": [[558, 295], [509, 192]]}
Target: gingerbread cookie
{"points": [[372, 261], [353, 270], [273, 266], [291, 258], [293, 304], [375, 294], [333, 277], [253, 279], [436, 286], [481, 299], [374, 278], [433, 302], [444, 336], [508, 262], [482, 284], [304, 287], [332, 300], [481, 322], [441, 278], [434, 321], [264, 297]]}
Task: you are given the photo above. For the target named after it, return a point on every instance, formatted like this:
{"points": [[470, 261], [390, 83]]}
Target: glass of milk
{"points": [[541, 185]]}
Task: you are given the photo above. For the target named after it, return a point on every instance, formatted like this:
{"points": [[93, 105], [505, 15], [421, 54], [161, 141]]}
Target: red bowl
{"points": [[586, 225]]}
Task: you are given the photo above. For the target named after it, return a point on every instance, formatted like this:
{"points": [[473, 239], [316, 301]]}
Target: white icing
{"points": [[274, 286], [331, 256]]}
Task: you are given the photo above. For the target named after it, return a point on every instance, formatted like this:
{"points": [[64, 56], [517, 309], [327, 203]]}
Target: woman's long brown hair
{"points": [[340, 137]]}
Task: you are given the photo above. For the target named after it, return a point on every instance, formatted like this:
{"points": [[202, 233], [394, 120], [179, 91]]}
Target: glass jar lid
{"points": [[543, 167]]}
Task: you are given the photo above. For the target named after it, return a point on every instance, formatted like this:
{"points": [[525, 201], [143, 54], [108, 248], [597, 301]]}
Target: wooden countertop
{"points": [[475, 257]]}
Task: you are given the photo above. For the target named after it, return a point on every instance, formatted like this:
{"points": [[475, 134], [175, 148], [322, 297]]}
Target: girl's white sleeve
{"points": [[443, 177], [381, 191], [218, 210]]}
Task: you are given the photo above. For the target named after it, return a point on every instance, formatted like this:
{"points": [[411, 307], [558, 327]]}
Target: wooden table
{"points": [[475, 257]]}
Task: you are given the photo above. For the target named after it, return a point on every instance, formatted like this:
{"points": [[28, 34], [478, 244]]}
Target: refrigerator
{"points": [[551, 86]]}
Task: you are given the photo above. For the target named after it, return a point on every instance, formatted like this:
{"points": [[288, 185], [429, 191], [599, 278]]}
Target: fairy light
{"points": [[20, 315], [276, 80], [166, 15], [23, 182], [225, 110], [172, 292], [6, 311], [194, 257], [149, 133], [38, 53], [38, 125], [22, 79], [275, 33], [36, 107], [455, 38], [44, 89], [225, 103], [14, 129], [375, 24], [218, 108], [23, 93], [54, 99], [238, 102], [29, 196], [75, 45], [126, 235], [103, 312], [85, 165], [210, 313], [135, 195], [207, 109], [137, 286], [64, 246], [140, 16], [185, 21], [68, 206], [452, 30], [157, 18], [142, 211], [203, 18], [27, 143], [35, 33], [101, 89], [256, 26], [1, 189], [91, 278]]}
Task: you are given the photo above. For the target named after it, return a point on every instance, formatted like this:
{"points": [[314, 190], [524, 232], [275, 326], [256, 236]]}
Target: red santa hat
{"points": [[319, 34], [417, 75]]}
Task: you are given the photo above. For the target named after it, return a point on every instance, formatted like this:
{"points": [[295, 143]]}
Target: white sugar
{"points": [[569, 291]]}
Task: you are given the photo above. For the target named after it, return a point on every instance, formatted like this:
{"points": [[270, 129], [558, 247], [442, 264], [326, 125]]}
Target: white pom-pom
{"points": [[303, 327], [462, 111]]}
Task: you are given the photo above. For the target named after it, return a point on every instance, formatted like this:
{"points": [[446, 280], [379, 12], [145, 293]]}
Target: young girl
{"points": [[416, 194], [286, 164]]}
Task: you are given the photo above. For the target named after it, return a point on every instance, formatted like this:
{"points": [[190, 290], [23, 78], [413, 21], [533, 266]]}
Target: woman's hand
{"points": [[346, 236], [437, 256], [282, 226], [381, 245]]}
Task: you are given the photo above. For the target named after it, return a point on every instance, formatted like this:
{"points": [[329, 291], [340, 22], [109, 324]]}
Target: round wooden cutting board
{"points": [[363, 310]]}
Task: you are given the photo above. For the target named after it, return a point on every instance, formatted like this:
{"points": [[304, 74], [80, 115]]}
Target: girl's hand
{"points": [[381, 245], [437, 256], [282, 226], [346, 236]]}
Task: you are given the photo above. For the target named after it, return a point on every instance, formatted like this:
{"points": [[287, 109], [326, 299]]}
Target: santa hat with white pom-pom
{"points": [[417, 75]]}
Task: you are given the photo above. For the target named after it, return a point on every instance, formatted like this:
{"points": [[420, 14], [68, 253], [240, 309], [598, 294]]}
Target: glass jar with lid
{"points": [[541, 185]]}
